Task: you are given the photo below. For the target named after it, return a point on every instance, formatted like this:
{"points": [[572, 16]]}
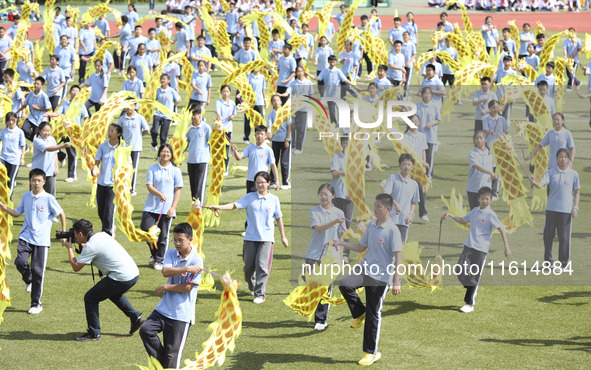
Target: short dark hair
{"points": [[264, 174], [492, 103], [275, 31], [542, 83], [247, 39], [16, 17], [328, 187], [288, 46], [385, 199], [74, 87], [124, 19], [397, 42], [151, 29], [540, 36], [563, 150], [506, 29], [200, 37], [56, 57], [169, 148], [507, 57], [37, 172], [332, 57], [40, 79], [431, 66], [178, 25], [406, 157], [364, 17], [183, 228], [9, 72], [83, 226], [526, 24], [551, 64], [197, 110], [397, 19], [260, 128], [485, 190], [383, 67], [485, 79]]}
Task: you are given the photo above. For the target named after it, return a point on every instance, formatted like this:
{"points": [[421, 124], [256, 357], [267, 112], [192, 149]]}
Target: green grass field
{"points": [[534, 326]]}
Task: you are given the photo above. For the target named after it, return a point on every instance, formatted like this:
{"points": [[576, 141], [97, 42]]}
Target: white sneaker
{"points": [[297, 151], [320, 326], [285, 187], [28, 287], [35, 310], [154, 149], [251, 293], [116, 70], [27, 149], [246, 142], [425, 218], [273, 186], [70, 179], [133, 193], [151, 261], [55, 219], [158, 266], [467, 308], [29, 165], [226, 173], [243, 234], [63, 162], [258, 300]]}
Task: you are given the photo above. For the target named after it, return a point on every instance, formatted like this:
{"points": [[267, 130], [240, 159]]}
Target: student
{"points": [[483, 221], [304, 51], [86, 49], [13, 91], [411, 27], [286, 72], [409, 51], [525, 38], [44, 156], [260, 157], [13, 149], [5, 47], [134, 127], [13, 29], [549, 77], [56, 80], [168, 97], [337, 171], [558, 138], [349, 61], [142, 62], [198, 52], [572, 48], [434, 83], [396, 71], [38, 104], [275, 46], [154, 47], [299, 86], [490, 35], [328, 223], [480, 101], [280, 143], [383, 247], [376, 26], [133, 84], [258, 82], [175, 313], [125, 36], [67, 61], [448, 27], [448, 74], [189, 19], [201, 84], [382, 81], [502, 73], [34, 239], [246, 54], [261, 208], [225, 110], [103, 25], [481, 168], [405, 194], [321, 55], [164, 181], [493, 124], [418, 144], [564, 185], [332, 78], [180, 38], [232, 22], [543, 91], [395, 33], [173, 70], [99, 85], [531, 58], [509, 43], [71, 32], [339, 17], [438, 68], [199, 154], [105, 159], [429, 114], [132, 15]]}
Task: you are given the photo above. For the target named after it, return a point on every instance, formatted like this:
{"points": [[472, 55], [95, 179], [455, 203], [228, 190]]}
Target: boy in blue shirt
{"points": [[199, 154], [245, 55], [180, 38], [280, 144], [56, 80], [168, 97], [134, 127], [38, 104], [259, 84], [396, 70], [276, 46], [34, 239], [483, 221], [286, 69]]}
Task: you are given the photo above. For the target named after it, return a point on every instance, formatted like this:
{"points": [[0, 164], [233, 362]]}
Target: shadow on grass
{"points": [[251, 360], [578, 343], [272, 325], [68, 337], [402, 307], [564, 296]]}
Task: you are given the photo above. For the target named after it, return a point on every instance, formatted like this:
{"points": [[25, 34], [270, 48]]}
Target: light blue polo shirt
{"points": [[5, 43], [71, 33], [259, 84], [490, 36], [83, 111], [142, 64], [408, 50], [260, 214], [53, 78], [417, 142], [165, 180], [176, 305], [12, 31], [104, 252], [351, 60], [88, 37], [245, 57], [167, 98], [511, 46], [482, 224], [107, 60], [134, 43], [551, 83], [16, 100], [322, 53], [302, 52], [498, 125], [154, 55], [132, 18], [404, 192], [24, 72], [287, 66], [320, 216], [525, 38], [329, 30], [12, 142], [39, 212], [477, 179], [133, 127], [232, 21], [190, 27], [383, 84], [106, 154], [97, 84], [226, 110], [572, 47], [562, 139], [481, 95], [198, 139], [376, 27], [135, 86], [533, 61], [445, 68], [398, 61], [259, 159], [381, 241], [299, 88], [429, 113], [172, 70], [42, 101], [125, 35], [203, 82], [181, 41], [199, 53], [67, 57], [438, 71], [436, 85], [276, 45], [281, 133], [412, 29], [562, 185], [395, 34], [332, 80], [338, 164], [102, 25], [42, 159]]}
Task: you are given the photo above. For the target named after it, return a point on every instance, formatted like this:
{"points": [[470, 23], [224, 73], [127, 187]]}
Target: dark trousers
{"points": [[150, 219], [347, 206], [89, 104], [571, 75], [422, 201], [227, 160], [55, 101], [449, 79], [320, 83], [281, 90], [369, 64], [72, 162], [11, 172], [299, 129], [213, 51], [106, 208], [197, 179], [321, 313], [160, 125], [49, 186], [430, 154], [82, 70], [3, 64], [30, 130], [282, 154], [557, 222], [135, 160], [469, 275], [174, 333], [375, 293], [119, 59], [472, 201], [108, 288], [478, 126], [403, 232], [34, 272], [257, 108]]}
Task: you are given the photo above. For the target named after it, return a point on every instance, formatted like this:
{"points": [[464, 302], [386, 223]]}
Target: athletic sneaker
{"points": [[358, 322], [246, 142], [369, 359], [133, 193], [285, 187], [136, 325], [70, 179], [35, 310], [258, 300], [320, 326], [425, 218], [226, 173], [273, 186], [28, 287], [158, 266], [87, 337], [63, 162], [154, 148], [243, 234], [151, 261], [467, 308]]}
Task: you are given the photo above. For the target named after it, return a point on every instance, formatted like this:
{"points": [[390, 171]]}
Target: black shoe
{"points": [[87, 337], [136, 325]]}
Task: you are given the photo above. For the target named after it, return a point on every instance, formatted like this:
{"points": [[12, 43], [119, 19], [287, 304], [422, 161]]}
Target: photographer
{"points": [[121, 273]]}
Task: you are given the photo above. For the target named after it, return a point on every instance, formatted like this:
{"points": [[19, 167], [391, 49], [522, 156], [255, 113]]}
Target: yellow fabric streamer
{"points": [[5, 239], [346, 24], [548, 49], [415, 276], [455, 206], [355, 175], [48, 27], [534, 133], [217, 142], [179, 140]]}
